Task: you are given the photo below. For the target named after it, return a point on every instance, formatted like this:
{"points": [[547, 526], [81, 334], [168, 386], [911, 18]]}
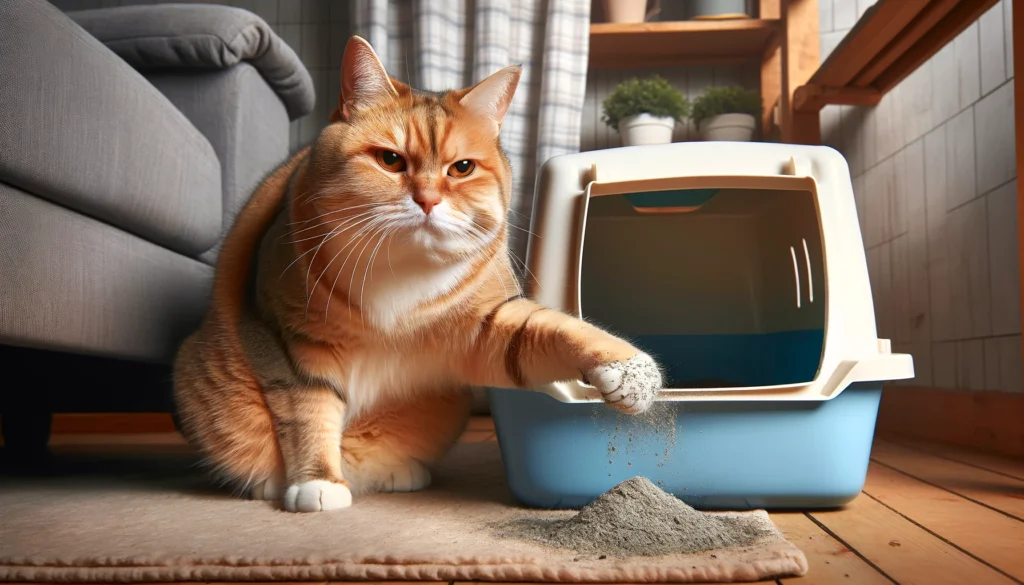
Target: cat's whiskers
{"points": [[353, 243], [514, 226], [474, 234], [296, 232], [335, 212], [327, 237], [352, 278], [316, 250], [515, 258], [309, 297], [390, 267], [386, 230], [300, 256]]}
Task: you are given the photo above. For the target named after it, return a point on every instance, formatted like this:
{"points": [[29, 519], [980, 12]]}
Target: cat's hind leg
{"points": [[390, 448], [223, 415]]}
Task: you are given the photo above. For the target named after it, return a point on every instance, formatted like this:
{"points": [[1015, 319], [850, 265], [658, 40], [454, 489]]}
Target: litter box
{"points": [[740, 267]]}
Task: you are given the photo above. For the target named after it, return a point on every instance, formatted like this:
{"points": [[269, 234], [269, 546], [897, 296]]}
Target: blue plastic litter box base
{"points": [[723, 455]]}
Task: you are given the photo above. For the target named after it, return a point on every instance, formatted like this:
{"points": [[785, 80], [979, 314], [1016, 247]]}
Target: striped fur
{"points": [[382, 291]]}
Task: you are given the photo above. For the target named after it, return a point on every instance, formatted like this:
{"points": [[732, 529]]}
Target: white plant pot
{"points": [[729, 127], [646, 129], [625, 10], [718, 9]]}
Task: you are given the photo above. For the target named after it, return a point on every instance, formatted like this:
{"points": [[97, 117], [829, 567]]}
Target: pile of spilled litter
{"points": [[636, 518]]}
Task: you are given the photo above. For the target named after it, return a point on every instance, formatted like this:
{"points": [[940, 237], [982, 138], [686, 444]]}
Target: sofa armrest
{"points": [[167, 37], [82, 129], [245, 122]]}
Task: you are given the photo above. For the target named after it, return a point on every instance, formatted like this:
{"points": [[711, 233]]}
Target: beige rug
{"points": [[157, 519]]}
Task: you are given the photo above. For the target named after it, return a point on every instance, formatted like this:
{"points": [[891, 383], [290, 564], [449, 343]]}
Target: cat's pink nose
{"points": [[426, 201]]}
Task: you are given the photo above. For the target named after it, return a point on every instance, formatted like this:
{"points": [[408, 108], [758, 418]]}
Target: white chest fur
{"points": [[388, 376], [390, 298]]}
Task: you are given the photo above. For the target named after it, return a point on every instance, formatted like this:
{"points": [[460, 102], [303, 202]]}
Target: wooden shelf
{"points": [[889, 42], [663, 44]]}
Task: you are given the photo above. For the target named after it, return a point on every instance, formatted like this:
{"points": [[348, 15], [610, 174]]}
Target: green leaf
{"points": [[653, 96], [726, 100]]}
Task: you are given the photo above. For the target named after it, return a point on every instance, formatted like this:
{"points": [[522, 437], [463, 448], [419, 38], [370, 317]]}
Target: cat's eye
{"points": [[463, 168], [390, 161]]}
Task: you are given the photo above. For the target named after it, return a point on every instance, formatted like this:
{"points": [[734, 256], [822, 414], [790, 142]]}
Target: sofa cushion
{"points": [[71, 283], [83, 129], [202, 36]]}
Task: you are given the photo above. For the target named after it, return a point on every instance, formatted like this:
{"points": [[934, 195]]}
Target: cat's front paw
{"points": [[317, 496], [630, 386]]}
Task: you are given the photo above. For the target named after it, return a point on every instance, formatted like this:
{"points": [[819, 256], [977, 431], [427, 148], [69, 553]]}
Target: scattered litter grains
{"points": [[636, 518]]}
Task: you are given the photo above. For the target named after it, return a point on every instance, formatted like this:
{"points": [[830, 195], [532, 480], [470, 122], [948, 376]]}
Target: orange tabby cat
{"points": [[382, 289]]}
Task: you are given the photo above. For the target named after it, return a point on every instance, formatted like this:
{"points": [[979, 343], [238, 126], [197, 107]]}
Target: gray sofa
{"points": [[129, 138]]}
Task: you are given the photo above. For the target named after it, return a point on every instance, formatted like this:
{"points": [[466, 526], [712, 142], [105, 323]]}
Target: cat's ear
{"points": [[363, 78], [491, 97]]}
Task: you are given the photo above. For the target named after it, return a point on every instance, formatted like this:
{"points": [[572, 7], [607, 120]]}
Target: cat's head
{"points": [[424, 169]]}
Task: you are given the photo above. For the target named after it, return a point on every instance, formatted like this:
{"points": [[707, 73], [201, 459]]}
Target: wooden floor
{"points": [[928, 514]]}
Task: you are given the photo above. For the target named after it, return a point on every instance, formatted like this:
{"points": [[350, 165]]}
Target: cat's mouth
{"points": [[448, 236]]}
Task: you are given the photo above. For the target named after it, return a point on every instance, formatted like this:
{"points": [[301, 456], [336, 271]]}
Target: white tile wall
{"points": [[844, 14], [910, 187], [993, 67], [1008, 35], [968, 68], [916, 99], [1004, 260], [946, 93], [854, 129], [934, 177], [316, 29], [960, 167], [996, 155]]}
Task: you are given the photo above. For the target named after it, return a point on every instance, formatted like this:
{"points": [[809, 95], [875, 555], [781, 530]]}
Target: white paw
{"points": [[630, 386], [317, 496], [410, 476], [270, 489]]}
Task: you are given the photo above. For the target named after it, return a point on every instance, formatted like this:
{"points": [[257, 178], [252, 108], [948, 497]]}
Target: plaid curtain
{"points": [[436, 45]]}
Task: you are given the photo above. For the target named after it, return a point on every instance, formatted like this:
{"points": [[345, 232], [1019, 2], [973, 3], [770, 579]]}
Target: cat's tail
{"points": [[236, 259]]}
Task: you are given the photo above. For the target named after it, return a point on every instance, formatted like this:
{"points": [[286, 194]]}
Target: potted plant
{"points": [[718, 9], [644, 111], [727, 113], [630, 10]]}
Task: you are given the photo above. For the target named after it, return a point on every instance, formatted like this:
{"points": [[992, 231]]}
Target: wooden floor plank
{"points": [[997, 463], [770, 582], [830, 560], [904, 551], [998, 491], [969, 526]]}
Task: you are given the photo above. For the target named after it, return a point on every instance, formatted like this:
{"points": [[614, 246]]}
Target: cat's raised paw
{"points": [[630, 386], [317, 496], [270, 490]]}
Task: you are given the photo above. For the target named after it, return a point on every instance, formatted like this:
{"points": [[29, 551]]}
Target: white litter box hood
{"points": [[851, 351]]}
